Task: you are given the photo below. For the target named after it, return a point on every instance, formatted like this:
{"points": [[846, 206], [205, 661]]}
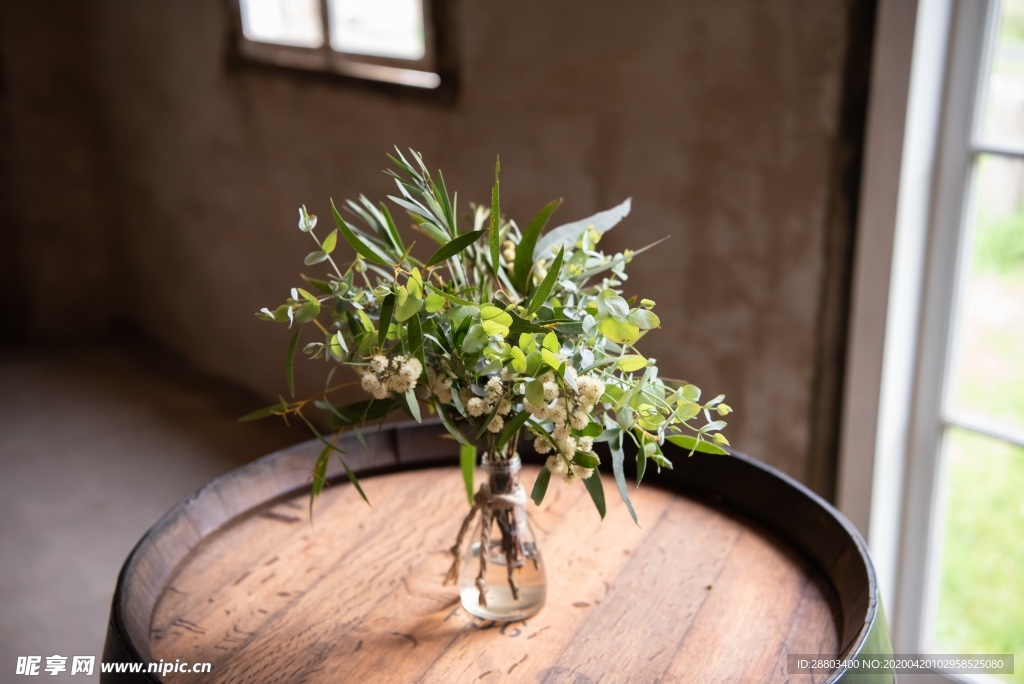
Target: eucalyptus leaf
{"points": [[566, 236], [618, 456]]}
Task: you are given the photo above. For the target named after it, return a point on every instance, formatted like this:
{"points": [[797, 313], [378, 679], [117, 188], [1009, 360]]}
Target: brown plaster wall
{"points": [[721, 120]]}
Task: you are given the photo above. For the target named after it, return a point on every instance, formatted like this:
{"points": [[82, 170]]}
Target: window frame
{"points": [[434, 72], [929, 72]]}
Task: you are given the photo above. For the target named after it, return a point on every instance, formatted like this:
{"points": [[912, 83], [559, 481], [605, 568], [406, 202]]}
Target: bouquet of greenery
{"points": [[505, 333]]}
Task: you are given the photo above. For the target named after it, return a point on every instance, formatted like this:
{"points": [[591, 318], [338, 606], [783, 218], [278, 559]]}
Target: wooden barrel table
{"points": [[734, 572]]}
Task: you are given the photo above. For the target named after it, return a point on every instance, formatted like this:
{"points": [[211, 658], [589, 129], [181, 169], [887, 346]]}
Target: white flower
{"points": [[372, 384], [579, 419], [378, 363], [550, 391], [543, 445], [496, 424], [557, 465], [585, 444], [477, 406], [494, 389]]}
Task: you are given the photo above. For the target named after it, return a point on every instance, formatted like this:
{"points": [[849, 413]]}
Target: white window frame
{"points": [[426, 73], [910, 254]]}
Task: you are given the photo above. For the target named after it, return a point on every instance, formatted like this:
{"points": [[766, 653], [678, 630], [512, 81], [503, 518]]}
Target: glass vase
{"points": [[502, 575]]}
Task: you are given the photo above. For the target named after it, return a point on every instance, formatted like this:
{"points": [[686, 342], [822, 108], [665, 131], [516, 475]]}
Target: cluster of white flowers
{"points": [[566, 412], [494, 395], [440, 386], [382, 376]]}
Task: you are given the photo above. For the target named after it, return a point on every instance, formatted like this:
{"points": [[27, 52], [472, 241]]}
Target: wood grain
{"points": [[695, 594]]}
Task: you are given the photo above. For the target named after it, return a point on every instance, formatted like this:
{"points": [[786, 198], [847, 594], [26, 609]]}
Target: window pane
{"points": [[1003, 117], [383, 28], [981, 602], [285, 22], [988, 359]]}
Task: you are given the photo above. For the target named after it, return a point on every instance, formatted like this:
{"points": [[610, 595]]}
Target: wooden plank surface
{"points": [[694, 595]]}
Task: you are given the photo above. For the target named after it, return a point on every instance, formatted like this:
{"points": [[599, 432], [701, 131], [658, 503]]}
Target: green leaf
{"points": [[595, 487], [495, 321], [520, 325], [319, 476], [644, 319], [550, 343], [289, 364], [535, 393], [264, 412], [692, 444], [413, 404], [632, 362], [361, 247], [352, 479], [618, 332], [407, 305], [467, 462], [592, 429], [315, 257], [387, 310], [620, 478], [568, 234], [511, 427], [447, 251], [414, 340], [518, 362], [586, 460], [540, 486], [475, 339], [330, 242], [446, 420], [524, 252], [495, 218], [641, 464], [544, 289], [434, 302]]}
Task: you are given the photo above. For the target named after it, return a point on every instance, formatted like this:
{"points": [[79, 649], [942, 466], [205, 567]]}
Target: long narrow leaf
{"points": [[540, 486], [457, 245], [353, 479], [595, 487], [467, 461], [511, 427], [415, 339], [449, 425], [289, 364], [495, 219], [540, 295], [319, 478], [361, 247], [387, 310], [524, 252], [620, 478]]}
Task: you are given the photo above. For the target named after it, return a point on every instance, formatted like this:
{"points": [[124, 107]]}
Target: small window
{"points": [[381, 40]]}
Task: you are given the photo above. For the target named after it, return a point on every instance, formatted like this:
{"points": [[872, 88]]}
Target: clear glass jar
{"points": [[507, 581]]}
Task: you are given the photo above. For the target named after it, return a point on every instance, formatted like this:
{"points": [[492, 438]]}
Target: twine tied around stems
{"points": [[485, 502]]}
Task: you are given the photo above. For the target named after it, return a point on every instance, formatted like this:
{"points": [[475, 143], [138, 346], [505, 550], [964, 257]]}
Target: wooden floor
{"points": [[95, 445]]}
